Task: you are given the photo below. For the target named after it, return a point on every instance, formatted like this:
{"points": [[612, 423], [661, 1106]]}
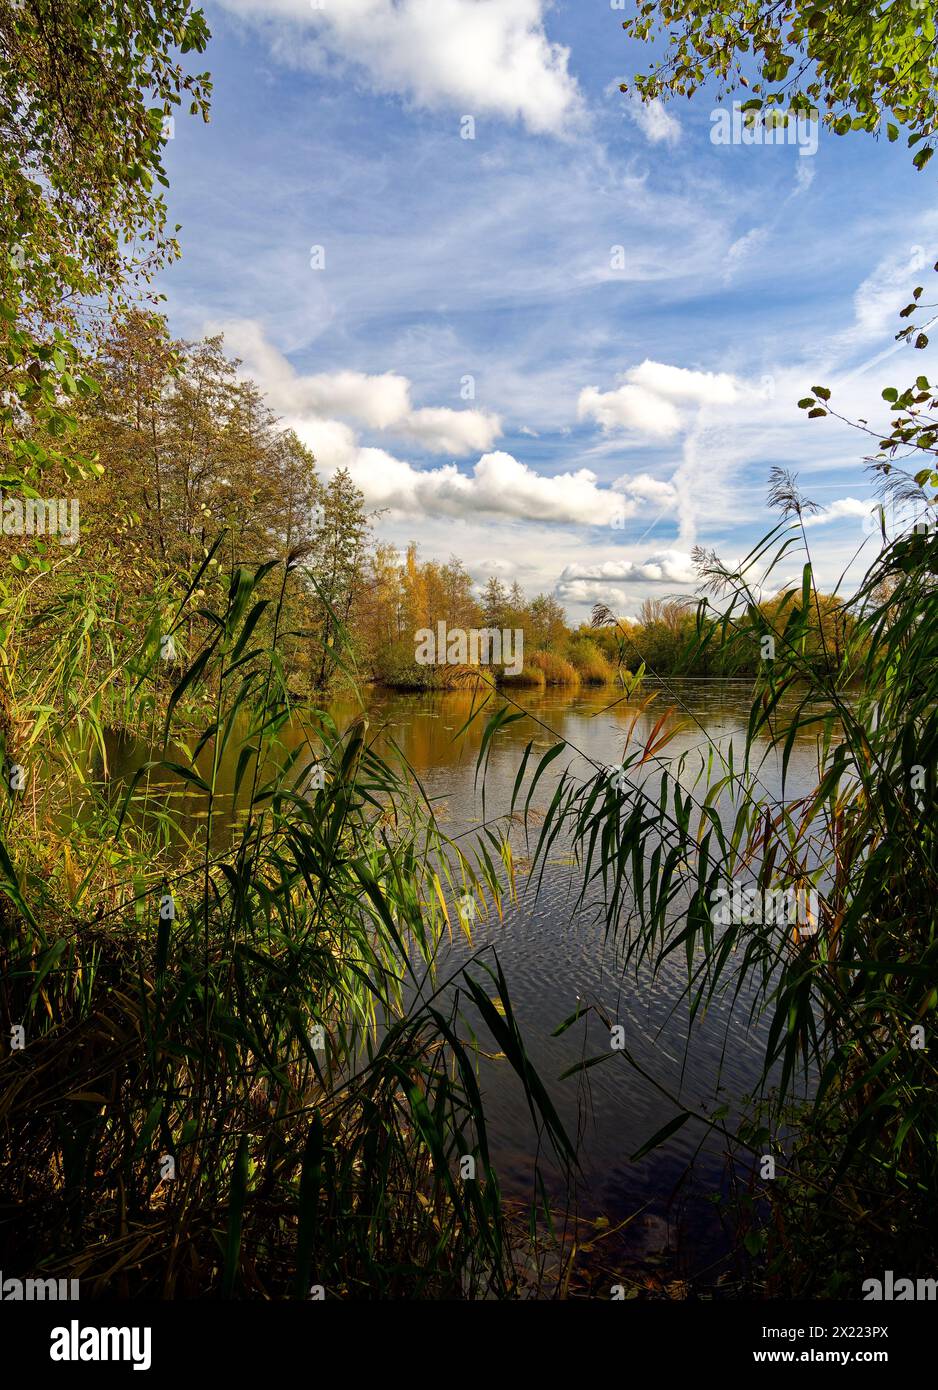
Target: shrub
{"points": [[556, 670], [587, 659], [531, 677]]}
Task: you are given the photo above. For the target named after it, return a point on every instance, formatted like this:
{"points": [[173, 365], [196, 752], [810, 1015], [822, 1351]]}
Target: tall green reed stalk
{"points": [[243, 1072], [847, 1105]]}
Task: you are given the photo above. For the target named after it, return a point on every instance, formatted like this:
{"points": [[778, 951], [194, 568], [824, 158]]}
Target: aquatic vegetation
{"points": [[235, 1069], [842, 1135]]}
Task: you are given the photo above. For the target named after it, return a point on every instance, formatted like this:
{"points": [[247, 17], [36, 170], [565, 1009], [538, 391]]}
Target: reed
{"points": [[847, 1107], [555, 669], [528, 678], [243, 1072]]}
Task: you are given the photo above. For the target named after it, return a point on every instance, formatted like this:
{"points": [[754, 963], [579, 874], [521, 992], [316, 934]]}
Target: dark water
{"points": [[556, 959]]}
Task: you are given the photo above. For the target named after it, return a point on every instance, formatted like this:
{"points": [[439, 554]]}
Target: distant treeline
{"points": [[194, 475]]}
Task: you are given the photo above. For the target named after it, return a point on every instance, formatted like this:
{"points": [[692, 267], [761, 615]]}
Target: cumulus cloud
{"points": [[334, 444], [843, 506], [452, 431], [679, 384], [499, 485], [648, 400], [477, 57], [380, 401], [629, 408], [665, 566], [589, 591], [645, 488], [492, 564]]}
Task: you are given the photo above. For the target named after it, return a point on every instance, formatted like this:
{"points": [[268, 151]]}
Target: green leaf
{"points": [[310, 1183], [239, 1184], [664, 1133]]}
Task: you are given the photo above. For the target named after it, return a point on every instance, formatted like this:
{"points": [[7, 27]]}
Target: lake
{"points": [[556, 959]]}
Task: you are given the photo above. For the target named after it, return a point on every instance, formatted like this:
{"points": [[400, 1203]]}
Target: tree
{"points": [[494, 602], [517, 613], [86, 90], [461, 608], [859, 60], [188, 450], [337, 568], [548, 626], [379, 615]]}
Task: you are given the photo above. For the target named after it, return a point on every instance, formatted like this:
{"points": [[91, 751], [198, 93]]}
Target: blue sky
{"points": [[566, 350]]}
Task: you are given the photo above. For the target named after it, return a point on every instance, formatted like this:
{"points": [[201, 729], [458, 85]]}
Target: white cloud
{"points": [[655, 121], [645, 488], [452, 431], [380, 401], [499, 485], [679, 384], [881, 295], [588, 591], [647, 402], [665, 566], [629, 408], [804, 176], [843, 506], [742, 248], [478, 57], [333, 443], [492, 564], [611, 582]]}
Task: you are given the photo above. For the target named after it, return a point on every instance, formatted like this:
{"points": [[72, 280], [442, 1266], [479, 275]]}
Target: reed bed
{"points": [[242, 1075], [847, 1106]]}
